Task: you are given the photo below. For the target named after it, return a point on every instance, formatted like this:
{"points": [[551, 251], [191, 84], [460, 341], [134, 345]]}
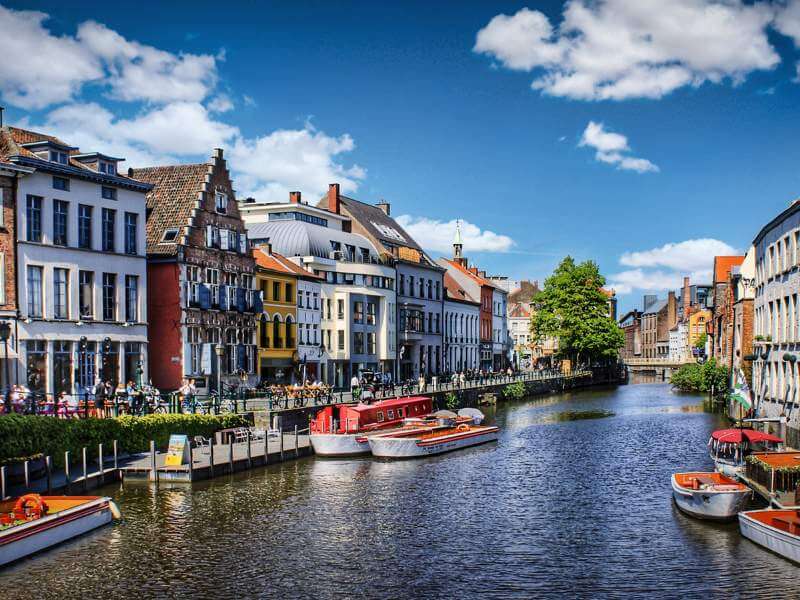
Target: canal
{"points": [[556, 507]]}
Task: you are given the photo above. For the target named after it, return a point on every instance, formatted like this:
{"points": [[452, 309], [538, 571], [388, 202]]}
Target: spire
{"points": [[457, 243]]}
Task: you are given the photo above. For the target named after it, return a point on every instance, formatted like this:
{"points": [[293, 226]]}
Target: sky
{"points": [[645, 135]]}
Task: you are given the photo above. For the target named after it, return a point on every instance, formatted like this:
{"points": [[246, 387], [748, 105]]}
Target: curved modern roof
{"points": [[298, 238]]}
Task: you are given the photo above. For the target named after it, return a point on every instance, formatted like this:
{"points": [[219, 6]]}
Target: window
{"points": [[133, 360], [60, 293], [86, 294], [109, 168], [109, 193], [33, 213], [34, 281], [131, 223], [358, 342], [37, 365], [221, 202], [340, 340], [59, 157], [194, 350], [340, 309], [289, 292], [84, 226], [131, 298], [85, 372], [170, 235], [109, 220], [276, 291], [371, 313], [109, 296], [358, 312], [62, 367], [371, 345], [438, 291], [61, 183], [60, 220], [410, 285]]}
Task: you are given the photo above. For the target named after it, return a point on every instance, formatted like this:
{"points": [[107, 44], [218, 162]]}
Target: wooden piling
{"points": [[3, 483], [296, 447], [230, 454], [153, 467], [85, 472], [102, 467], [26, 469], [249, 455], [67, 478], [48, 466], [116, 462], [211, 454]]}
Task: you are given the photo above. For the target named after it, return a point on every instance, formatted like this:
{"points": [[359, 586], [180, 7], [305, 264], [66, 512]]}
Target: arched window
{"points": [[263, 330], [277, 342], [290, 341]]}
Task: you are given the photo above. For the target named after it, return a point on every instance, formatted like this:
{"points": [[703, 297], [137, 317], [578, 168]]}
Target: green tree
{"points": [[573, 309], [701, 378], [700, 342]]}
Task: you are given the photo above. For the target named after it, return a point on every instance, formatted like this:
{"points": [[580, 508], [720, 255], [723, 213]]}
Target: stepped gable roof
{"points": [[526, 292], [280, 264], [176, 193], [518, 310], [723, 266], [455, 291]]}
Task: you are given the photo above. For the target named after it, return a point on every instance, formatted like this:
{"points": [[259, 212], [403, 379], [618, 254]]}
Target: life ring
{"points": [[34, 502], [462, 427]]}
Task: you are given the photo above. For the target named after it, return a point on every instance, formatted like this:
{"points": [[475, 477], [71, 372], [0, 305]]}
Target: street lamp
{"points": [[5, 333], [82, 344], [220, 350]]}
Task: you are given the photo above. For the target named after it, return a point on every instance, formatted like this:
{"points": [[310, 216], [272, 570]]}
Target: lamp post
{"points": [[82, 344], [5, 333], [220, 350]]}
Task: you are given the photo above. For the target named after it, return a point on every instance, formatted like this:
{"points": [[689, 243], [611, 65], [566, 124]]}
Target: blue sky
{"points": [[407, 102]]}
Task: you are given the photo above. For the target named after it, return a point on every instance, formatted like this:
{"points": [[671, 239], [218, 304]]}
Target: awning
{"points": [[736, 436], [280, 363]]}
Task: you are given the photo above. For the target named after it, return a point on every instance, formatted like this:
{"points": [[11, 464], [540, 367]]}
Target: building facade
{"points": [[721, 327], [658, 317], [679, 343], [631, 325], [461, 328], [501, 342], [277, 331], [203, 304], [358, 320], [519, 323], [80, 267]]}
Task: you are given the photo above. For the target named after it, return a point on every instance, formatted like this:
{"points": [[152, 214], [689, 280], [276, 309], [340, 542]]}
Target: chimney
{"points": [[2, 108], [648, 301], [482, 274], [249, 200], [334, 202], [686, 296], [294, 197], [672, 310], [384, 206]]}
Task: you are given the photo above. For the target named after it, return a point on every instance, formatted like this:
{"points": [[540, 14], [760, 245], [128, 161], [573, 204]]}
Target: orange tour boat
{"points": [[709, 495], [775, 530]]}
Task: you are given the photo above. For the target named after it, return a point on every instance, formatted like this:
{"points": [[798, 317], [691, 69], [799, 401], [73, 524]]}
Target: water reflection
{"points": [[575, 508]]}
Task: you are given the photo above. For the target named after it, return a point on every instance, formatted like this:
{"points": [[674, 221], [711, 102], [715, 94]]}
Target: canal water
{"points": [[562, 508]]}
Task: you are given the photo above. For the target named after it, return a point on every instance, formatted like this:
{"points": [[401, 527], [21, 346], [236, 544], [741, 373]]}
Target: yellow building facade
{"points": [[697, 327], [277, 330]]}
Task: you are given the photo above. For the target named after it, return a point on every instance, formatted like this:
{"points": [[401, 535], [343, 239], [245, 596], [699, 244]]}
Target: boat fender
{"points": [[115, 512], [34, 502], [462, 427]]}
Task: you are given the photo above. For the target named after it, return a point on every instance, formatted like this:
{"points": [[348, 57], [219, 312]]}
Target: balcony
{"points": [[411, 335]]}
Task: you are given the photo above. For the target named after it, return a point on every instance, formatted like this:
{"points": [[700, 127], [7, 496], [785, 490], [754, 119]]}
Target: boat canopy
{"points": [[737, 436]]}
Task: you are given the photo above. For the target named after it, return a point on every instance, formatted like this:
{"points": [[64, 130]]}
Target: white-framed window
{"points": [[221, 202]]}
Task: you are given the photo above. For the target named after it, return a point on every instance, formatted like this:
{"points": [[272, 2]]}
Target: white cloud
{"points": [[220, 103], [610, 147], [438, 235], [618, 49], [787, 21], [689, 255], [42, 69], [39, 69]]}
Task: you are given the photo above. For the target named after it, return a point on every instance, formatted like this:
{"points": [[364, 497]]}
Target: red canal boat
{"points": [[342, 429]]}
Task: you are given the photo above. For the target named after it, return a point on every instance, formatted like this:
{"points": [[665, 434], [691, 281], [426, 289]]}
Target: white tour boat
{"points": [[775, 530], [450, 434], [729, 448], [709, 495]]}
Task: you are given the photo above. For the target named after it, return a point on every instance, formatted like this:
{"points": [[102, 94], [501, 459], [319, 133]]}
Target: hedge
{"points": [[28, 435], [514, 391]]}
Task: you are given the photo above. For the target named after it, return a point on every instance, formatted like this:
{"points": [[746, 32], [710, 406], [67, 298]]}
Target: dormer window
{"points": [[170, 235], [59, 157], [109, 168], [222, 202]]}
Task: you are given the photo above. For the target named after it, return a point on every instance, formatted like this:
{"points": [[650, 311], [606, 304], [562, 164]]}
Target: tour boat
{"points": [[450, 434], [709, 495], [32, 522], [775, 530], [341, 430], [729, 448]]}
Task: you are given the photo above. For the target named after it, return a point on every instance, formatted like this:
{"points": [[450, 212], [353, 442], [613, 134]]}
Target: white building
{"points": [[358, 323], [519, 323], [82, 279], [309, 319], [461, 328], [679, 343]]}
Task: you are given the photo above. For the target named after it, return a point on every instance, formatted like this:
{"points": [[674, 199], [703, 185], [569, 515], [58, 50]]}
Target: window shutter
{"points": [[187, 358], [258, 302], [223, 297], [205, 297], [240, 299], [243, 243], [209, 236], [223, 240], [241, 357]]}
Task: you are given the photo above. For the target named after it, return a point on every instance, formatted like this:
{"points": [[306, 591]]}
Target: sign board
{"points": [[179, 451]]}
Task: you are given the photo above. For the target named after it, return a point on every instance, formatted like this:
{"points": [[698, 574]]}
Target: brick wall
{"points": [[7, 236], [164, 331]]}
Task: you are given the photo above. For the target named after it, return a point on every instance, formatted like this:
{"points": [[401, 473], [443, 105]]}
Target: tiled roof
{"points": [[723, 265], [477, 278], [455, 291], [175, 194], [380, 225], [518, 310], [280, 264]]}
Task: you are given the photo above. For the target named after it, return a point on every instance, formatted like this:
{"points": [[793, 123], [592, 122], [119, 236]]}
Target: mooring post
{"points": [[3, 483], [27, 476], [66, 471], [102, 467], [230, 453], [48, 466], [116, 463], [153, 470], [84, 469], [249, 455], [211, 454], [280, 433], [296, 447]]}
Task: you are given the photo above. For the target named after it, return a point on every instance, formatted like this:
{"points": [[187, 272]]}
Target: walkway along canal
{"points": [[560, 506]]}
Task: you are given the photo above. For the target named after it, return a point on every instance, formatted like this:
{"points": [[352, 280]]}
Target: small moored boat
{"points": [[775, 530], [730, 447], [31, 523], [342, 430], [709, 495], [450, 434]]}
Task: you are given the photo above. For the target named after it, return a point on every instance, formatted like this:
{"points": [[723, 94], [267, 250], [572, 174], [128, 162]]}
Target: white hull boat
{"points": [[415, 444], [339, 444], [68, 517], [775, 530], [709, 495]]}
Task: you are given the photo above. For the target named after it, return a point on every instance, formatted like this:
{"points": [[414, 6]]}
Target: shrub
{"points": [[513, 391], [26, 435], [701, 378], [451, 401]]}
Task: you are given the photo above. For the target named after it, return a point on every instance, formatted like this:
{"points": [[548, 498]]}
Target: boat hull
{"points": [[339, 444], [771, 538], [389, 447], [35, 536], [708, 504], [728, 468]]}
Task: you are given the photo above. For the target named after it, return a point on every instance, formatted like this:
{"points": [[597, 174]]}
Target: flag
{"points": [[741, 391]]}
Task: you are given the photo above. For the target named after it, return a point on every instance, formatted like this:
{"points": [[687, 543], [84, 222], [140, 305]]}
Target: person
{"points": [[462, 379], [421, 383], [100, 398], [454, 379], [509, 372], [187, 393], [354, 385]]}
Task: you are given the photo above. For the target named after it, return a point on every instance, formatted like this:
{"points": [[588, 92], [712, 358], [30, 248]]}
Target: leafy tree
{"points": [[574, 309], [701, 378], [700, 342]]}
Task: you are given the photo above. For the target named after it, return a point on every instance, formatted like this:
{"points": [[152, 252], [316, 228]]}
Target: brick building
{"points": [[202, 277], [658, 317], [721, 329], [631, 325]]}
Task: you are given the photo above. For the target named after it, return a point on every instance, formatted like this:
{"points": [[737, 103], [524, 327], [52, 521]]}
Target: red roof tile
{"points": [[467, 271], [455, 291], [723, 266], [280, 264]]}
